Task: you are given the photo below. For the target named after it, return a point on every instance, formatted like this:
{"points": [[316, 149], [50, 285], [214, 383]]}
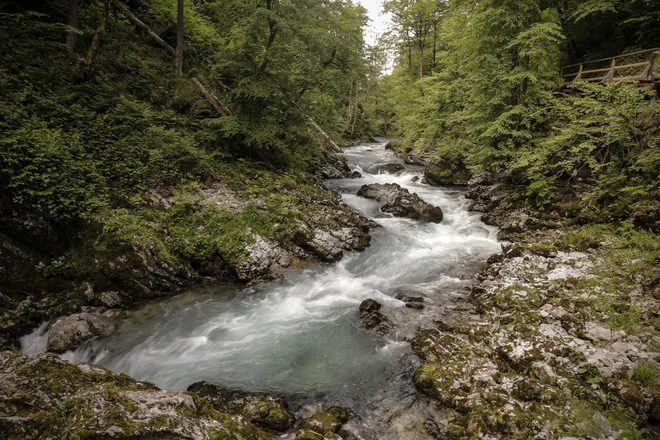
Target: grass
{"points": [[646, 373]]}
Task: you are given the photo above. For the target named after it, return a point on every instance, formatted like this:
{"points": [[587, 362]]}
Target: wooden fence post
{"points": [[649, 75], [610, 74]]}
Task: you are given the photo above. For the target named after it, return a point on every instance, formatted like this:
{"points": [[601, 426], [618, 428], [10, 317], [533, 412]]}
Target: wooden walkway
{"points": [[642, 67]]}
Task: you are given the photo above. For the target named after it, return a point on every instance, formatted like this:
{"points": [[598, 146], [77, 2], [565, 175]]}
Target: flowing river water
{"points": [[299, 338]]}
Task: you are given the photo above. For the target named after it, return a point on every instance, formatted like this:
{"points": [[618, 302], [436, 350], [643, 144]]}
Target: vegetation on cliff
{"points": [[477, 85], [120, 167]]}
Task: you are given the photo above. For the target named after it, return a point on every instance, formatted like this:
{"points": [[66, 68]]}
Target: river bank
{"points": [[566, 344]]}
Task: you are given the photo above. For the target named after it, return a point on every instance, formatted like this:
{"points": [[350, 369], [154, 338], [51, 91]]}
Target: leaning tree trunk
{"points": [[72, 37], [140, 25], [179, 39], [96, 41]]}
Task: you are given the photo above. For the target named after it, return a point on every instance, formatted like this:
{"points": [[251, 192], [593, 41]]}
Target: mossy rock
{"points": [[543, 249], [325, 423], [447, 172], [264, 410], [53, 398]]}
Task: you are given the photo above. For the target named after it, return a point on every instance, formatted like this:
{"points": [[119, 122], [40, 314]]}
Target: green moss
{"points": [[543, 249]]}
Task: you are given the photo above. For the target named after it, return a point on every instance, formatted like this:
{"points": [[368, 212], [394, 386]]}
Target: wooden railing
{"points": [[622, 68]]}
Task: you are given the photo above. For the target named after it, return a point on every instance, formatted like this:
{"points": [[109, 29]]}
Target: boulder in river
{"points": [[264, 410], [411, 301], [371, 318], [48, 397], [388, 168], [69, 332], [400, 202]]}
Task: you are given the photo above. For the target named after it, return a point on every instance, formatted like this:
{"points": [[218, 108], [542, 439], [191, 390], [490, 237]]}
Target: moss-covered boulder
{"points": [[47, 397], [323, 425], [264, 410], [447, 172]]}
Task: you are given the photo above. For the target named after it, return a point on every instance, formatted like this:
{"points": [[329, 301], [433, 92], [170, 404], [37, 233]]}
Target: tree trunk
{"points": [[72, 38], [435, 44], [272, 27], [330, 142], [96, 41], [212, 99], [179, 39], [136, 21]]}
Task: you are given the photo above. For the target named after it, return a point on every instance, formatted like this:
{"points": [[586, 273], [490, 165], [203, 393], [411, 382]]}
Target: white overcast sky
{"points": [[378, 23]]}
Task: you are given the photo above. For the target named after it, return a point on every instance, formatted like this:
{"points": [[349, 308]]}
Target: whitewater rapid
{"points": [[299, 338]]}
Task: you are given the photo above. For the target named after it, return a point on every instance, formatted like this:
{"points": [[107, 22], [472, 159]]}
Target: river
{"points": [[299, 338]]}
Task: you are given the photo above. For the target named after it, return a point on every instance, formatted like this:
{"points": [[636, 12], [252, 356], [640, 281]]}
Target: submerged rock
{"points": [[69, 332], [48, 397], [412, 302], [400, 202], [264, 410]]}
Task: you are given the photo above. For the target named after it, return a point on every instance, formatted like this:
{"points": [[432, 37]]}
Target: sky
{"points": [[378, 23]]}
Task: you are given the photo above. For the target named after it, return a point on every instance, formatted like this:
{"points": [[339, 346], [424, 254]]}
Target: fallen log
{"points": [[139, 24], [212, 99]]}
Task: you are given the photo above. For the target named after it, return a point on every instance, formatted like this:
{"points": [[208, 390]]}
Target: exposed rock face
{"points": [[264, 410], [323, 425], [146, 273], [335, 167], [538, 351], [385, 168], [69, 332], [47, 397], [263, 259], [330, 245], [401, 203], [444, 172]]}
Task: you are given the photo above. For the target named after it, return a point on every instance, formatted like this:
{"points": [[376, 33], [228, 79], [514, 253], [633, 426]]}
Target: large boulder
{"points": [[69, 332], [400, 202], [48, 397], [264, 410], [385, 168]]}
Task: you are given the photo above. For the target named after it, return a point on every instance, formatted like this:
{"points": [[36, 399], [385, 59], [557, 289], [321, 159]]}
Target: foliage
{"points": [[493, 101], [73, 147]]}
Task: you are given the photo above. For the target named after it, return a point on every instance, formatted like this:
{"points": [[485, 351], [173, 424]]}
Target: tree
{"points": [[96, 40], [72, 36], [179, 38]]}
